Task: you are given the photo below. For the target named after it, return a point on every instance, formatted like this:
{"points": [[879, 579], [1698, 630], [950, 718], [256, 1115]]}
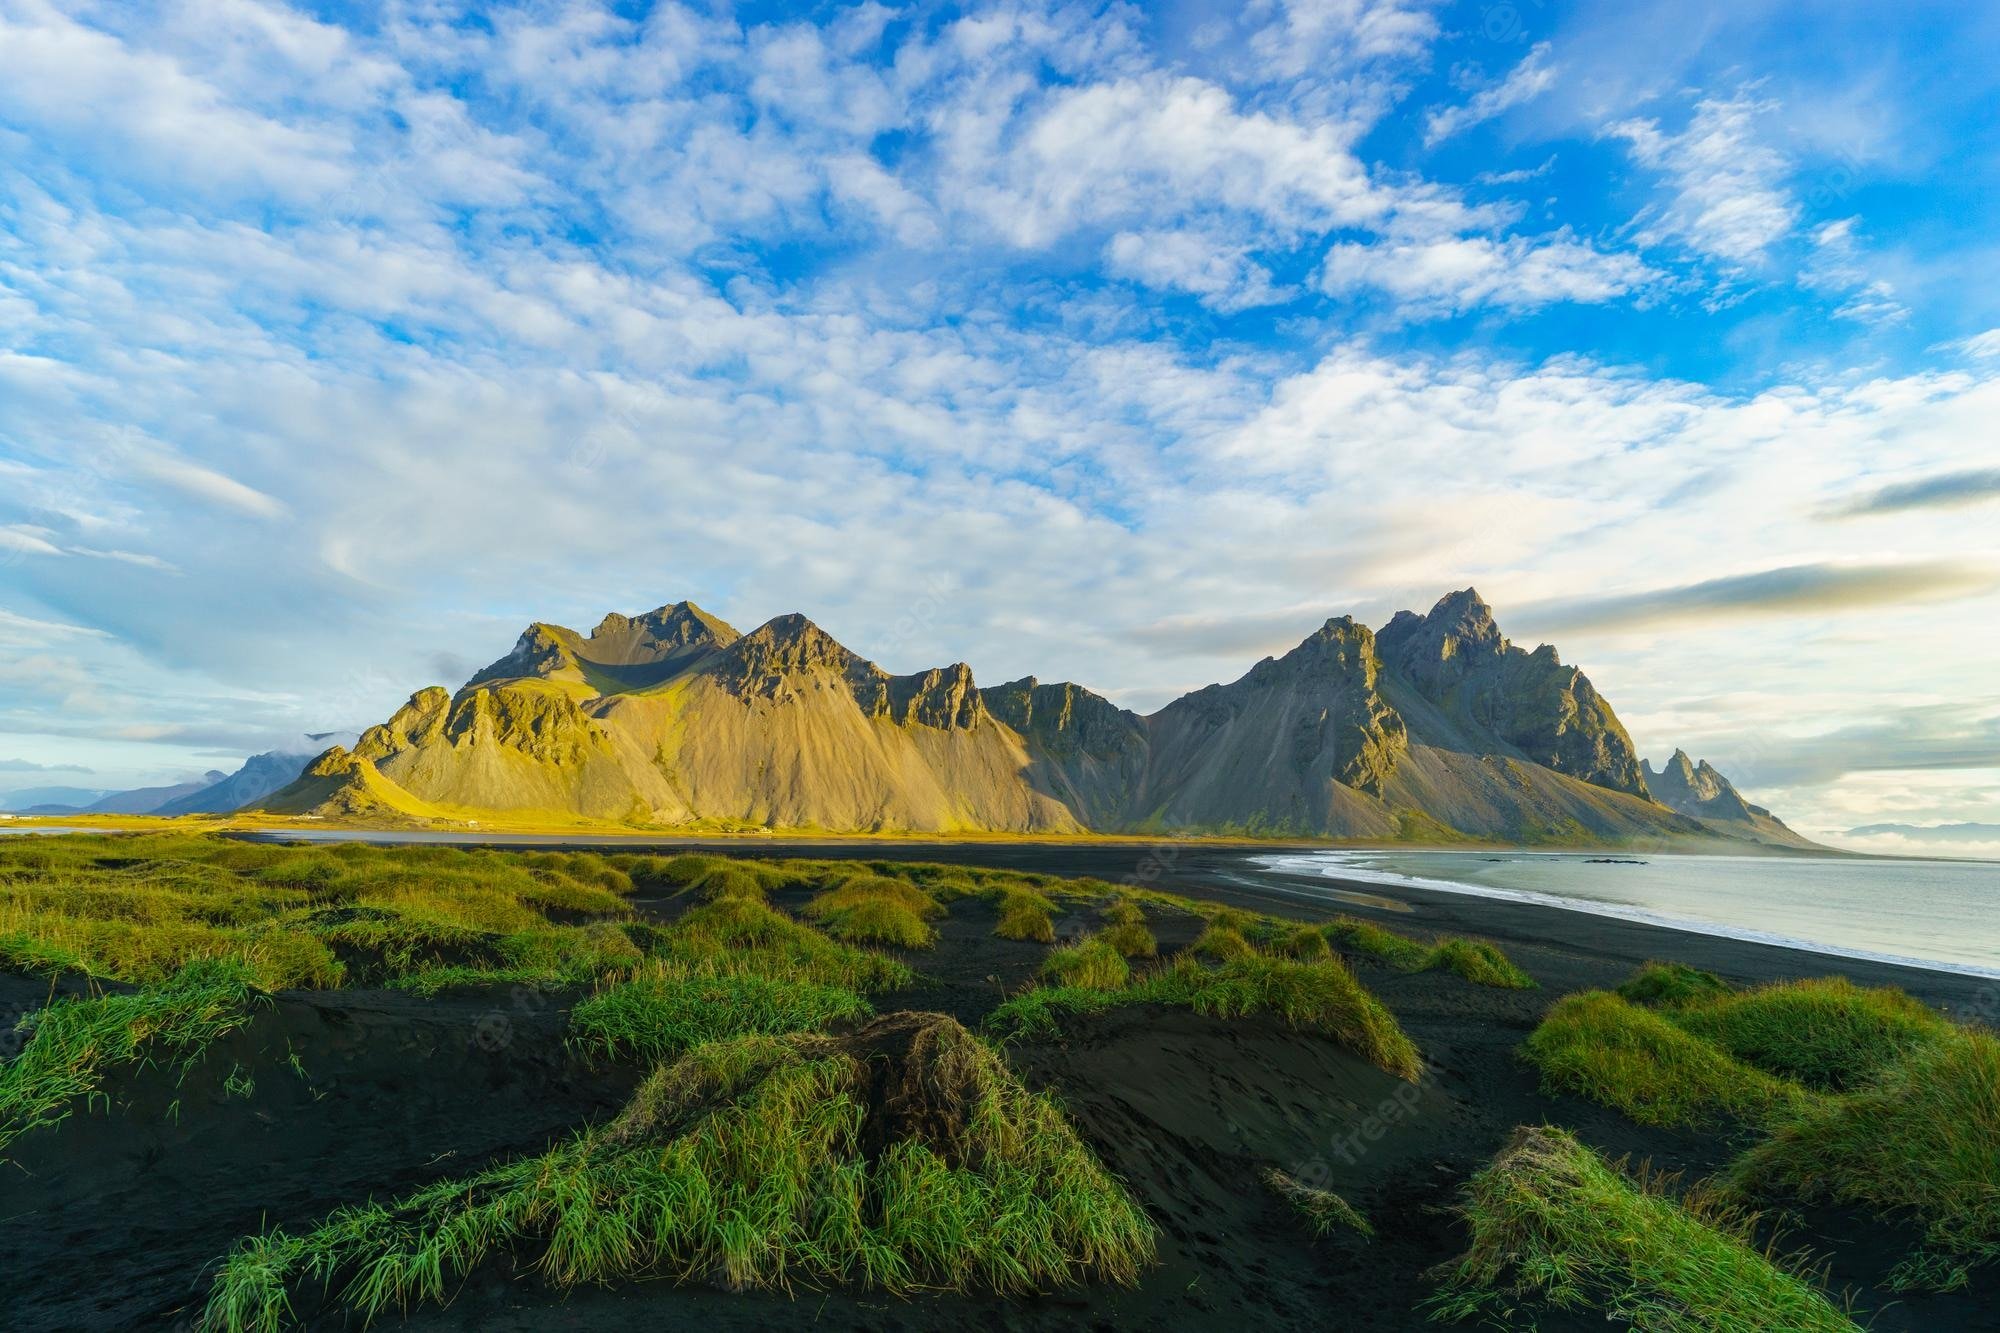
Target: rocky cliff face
{"points": [[673, 718], [1549, 713]]}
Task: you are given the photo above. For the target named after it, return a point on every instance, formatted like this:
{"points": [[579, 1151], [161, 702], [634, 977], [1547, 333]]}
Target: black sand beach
{"points": [[112, 1220]]}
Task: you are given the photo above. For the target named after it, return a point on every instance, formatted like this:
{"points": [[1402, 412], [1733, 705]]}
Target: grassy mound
{"points": [[1093, 964], [668, 1010], [876, 909], [71, 1044], [1131, 939], [733, 936], [1321, 997], [1670, 984], [1365, 937], [1599, 1046], [1826, 1033], [1324, 1211], [1304, 943], [1554, 1226], [1223, 943], [1026, 915], [1478, 962], [903, 1156], [1921, 1139]]}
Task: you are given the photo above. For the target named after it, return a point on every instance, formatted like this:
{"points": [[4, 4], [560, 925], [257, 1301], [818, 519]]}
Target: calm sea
{"points": [[1936, 913]]}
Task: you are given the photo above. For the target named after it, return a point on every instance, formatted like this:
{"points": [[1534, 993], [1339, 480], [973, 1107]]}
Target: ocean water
{"points": [[1943, 914]]}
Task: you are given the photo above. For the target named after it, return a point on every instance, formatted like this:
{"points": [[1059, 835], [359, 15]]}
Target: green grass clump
{"points": [[71, 1044], [1599, 1046], [1921, 1139], [1131, 939], [1324, 1211], [876, 909], [1555, 1227], [1305, 943], [1026, 915], [729, 881], [1365, 937], [1091, 964], [1478, 962], [1672, 984], [668, 1010], [1222, 943], [733, 936], [1322, 997], [1124, 912], [902, 1157], [1826, 1033]]}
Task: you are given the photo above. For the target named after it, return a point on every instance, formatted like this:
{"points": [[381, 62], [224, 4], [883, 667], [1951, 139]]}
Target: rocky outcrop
{"points": [[1287, 748], [1545, 712], [1697, 790]]}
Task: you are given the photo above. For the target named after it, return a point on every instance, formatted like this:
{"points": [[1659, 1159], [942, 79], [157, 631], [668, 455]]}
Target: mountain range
{"points": [[1435, 728], [214, 792]]}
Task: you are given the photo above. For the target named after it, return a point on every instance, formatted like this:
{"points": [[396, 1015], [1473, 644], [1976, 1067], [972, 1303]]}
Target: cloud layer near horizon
{"points": [[1088, 342]]}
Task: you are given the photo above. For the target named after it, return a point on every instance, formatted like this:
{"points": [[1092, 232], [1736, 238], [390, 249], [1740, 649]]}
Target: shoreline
{"points": [[1632, 912]]}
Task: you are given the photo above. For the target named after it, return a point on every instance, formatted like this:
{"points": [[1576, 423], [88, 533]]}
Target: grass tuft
{"points": [[876, 909], [1026, 915], [1223, 943], [72, 1043], [1091, 964], [1365, 937], [1826, 1033], [902, 1157], [1599, 1046], [1322, 997], [1922, 1139], [669, 1009], [1671, 984], [1324, 1211], [1555, 1227], [1478, 962]]}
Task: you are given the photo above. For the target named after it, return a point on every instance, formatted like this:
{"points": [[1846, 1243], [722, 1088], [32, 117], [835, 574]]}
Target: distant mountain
{"points": [[1931, 832], [1438, 727], [50, 800], [260, 775], [148, 800], [1699, 791]]}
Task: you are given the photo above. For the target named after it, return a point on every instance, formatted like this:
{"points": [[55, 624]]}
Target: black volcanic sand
{"points": [[113, 1219]]}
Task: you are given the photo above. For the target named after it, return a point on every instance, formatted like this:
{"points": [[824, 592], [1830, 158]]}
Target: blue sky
{"points": [[1115, 343]]}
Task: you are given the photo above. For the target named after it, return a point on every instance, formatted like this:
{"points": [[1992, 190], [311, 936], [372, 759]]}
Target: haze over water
{"points": [[1939, 913]]}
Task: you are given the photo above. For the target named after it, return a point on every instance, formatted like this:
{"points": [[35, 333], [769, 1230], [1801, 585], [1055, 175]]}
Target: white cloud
{"points": [[150, 112], [1981, 346], [1464, 272], [1525, 82], [1728, 188], [1221, 275], [205, 484]]}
